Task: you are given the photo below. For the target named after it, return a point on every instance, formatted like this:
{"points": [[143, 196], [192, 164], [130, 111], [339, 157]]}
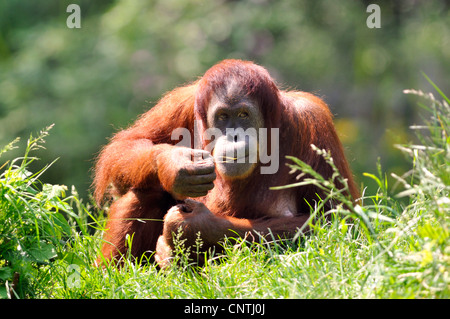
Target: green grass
{"points": [[394, 245]]}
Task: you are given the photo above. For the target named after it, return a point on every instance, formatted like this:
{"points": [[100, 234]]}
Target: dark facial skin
{"points": [[238, 118]]}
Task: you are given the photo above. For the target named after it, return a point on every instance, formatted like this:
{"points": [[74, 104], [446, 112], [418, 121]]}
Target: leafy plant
{"points": [[36, 220]]}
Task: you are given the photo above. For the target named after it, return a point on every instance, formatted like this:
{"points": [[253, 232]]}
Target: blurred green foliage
{"points": [[95, 80]]}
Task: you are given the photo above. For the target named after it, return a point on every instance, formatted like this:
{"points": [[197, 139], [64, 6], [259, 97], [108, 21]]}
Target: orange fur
{"points": [[130, 164]]}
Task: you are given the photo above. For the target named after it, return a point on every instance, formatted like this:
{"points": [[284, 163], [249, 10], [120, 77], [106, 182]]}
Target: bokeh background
{"points": [[93, 81]]}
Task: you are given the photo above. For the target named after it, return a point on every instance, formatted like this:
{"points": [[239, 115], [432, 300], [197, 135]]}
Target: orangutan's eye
{"points": [[222, 117], [243, 115]]}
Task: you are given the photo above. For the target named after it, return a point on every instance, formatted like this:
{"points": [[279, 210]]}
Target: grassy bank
{"points": [[394, 245]]}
